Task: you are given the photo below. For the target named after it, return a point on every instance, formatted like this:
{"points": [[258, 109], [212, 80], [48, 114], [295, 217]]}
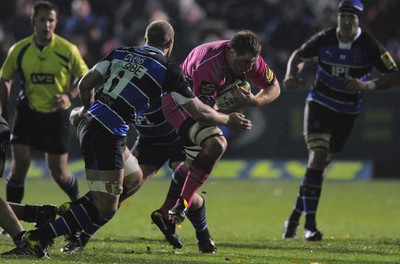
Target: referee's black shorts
{"points": [[46, 132]]}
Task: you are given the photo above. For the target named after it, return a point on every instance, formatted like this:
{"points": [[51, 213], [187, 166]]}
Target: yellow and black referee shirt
{"points": [[44, 73]]}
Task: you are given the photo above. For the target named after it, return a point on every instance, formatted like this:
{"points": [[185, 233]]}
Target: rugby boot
{"points": [[178, 212], [31, 247], [76, 242], [207, 246], [312, 234], [290, 230], [167, 228]]}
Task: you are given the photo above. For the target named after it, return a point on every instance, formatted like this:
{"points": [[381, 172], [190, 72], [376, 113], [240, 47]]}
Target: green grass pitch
{"points": [[360, 222]]}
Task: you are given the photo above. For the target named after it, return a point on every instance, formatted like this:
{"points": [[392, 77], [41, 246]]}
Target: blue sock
{"points": [[199, 222], [311, 192]]}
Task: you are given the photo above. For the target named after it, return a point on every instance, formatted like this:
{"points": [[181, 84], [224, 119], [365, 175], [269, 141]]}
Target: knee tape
{"points": [[199, 133], [113, 188], [131, 165], [318, 141], [191, 152]]}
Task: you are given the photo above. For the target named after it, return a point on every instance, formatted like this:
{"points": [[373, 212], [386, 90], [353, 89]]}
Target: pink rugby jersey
{"points": [[206, 67]]}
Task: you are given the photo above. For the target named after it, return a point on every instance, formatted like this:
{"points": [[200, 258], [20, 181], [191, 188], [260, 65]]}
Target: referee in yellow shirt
{"points": [[45, 63]]}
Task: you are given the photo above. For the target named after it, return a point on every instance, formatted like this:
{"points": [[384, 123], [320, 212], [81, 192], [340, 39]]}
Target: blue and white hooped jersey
{"points": [[135, 78], [338, 61], [154, 128]]}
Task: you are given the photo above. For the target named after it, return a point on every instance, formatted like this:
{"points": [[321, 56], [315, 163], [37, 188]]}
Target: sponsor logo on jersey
{"points": [[138, 70], [134, 59], [329, 53], [339, 71], [118, 64], [207, 88], [269, 74], [42, 78], [388, 60]]}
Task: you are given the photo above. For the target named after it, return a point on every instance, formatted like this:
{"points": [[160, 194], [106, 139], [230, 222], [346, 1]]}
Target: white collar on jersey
{"points": [[154, 49], [343, 45]]}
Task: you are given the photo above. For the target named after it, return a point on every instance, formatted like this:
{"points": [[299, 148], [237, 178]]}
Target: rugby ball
{"points": [[225, 99]]}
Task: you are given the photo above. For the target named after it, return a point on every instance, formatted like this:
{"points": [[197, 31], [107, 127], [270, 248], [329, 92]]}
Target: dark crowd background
{"points": [[98, 26]]}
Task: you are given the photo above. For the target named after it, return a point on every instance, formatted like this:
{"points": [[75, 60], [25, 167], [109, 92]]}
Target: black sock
{"points": [[73, 220], [298, 208], [30, 213], [14, 191], [311, 192], [72, 189]]}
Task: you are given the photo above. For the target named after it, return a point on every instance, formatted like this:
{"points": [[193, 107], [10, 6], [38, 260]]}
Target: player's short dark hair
{"points": [[44, 5], [245, 41], [159, 33]]}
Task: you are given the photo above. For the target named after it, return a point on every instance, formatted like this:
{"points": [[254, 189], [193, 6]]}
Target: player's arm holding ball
{"points": [[231, 98], [265, 80]]}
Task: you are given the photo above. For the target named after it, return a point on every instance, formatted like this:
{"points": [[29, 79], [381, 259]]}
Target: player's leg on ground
{"points": [[212, 148], [202, 165], [318, 146], [197, 216], [39, 214], [132, 181], [160, 216], [9, 221], [106, 186]]}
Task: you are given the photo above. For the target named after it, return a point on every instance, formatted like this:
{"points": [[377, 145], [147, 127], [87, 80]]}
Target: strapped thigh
{"points": [[114, 187], [131, 165], [318, 141], [198, 134]]}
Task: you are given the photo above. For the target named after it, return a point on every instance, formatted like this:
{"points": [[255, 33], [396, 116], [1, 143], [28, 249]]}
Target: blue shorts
{"points": [[156, 155], [101, 149]]}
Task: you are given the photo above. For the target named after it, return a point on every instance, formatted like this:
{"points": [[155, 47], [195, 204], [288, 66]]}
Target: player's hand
{"points": [[244, 97], [61, 102], [290, 82], [354, 84], [238, 122], [76, 115]]}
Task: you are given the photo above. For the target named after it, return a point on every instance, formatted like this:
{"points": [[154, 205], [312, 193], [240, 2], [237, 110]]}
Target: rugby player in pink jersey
{"points": [[211, 67]]}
